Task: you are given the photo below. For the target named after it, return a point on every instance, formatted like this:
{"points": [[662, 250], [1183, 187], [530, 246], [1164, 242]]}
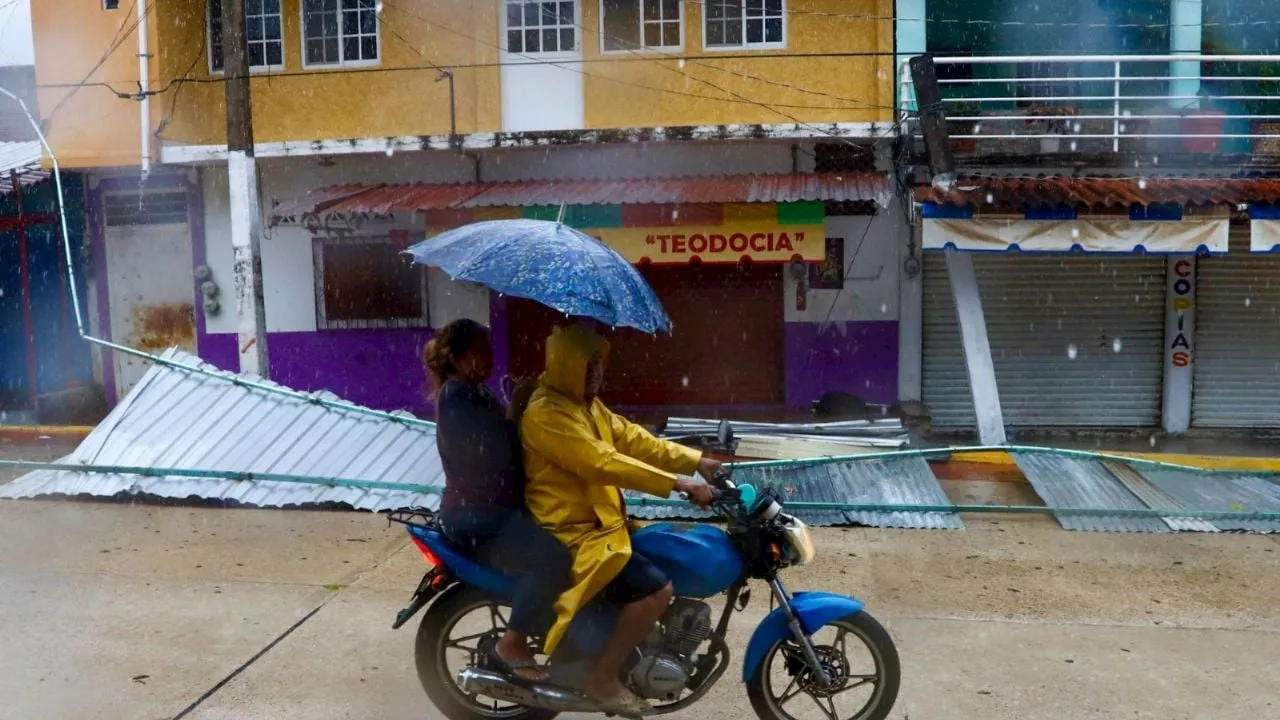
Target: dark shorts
{"points": [[638, 580]]}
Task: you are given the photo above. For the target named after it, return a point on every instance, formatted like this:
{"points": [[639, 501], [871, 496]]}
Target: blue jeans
{"points": [[508, 541]]}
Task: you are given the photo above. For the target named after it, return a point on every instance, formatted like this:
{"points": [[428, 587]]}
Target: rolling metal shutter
{"points": [[1076, 341], [1237, 343]]}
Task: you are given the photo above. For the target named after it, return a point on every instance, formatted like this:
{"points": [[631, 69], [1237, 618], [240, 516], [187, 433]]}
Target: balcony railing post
{"points": [[1115, 143]]}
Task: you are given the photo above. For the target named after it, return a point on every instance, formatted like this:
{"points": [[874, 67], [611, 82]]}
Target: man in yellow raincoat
{"points": [[578, 457]]}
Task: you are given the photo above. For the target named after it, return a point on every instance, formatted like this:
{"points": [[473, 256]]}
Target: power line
{"points": [[121, 35]]}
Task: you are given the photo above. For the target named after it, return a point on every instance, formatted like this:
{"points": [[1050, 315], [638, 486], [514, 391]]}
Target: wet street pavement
{"points": [[111, 610]]}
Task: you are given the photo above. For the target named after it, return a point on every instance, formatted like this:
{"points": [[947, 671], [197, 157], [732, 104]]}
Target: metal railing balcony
{"points": [[1088, 104]]}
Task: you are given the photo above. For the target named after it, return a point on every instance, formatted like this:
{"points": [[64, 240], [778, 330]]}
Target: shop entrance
{"points": [[725, 349]]}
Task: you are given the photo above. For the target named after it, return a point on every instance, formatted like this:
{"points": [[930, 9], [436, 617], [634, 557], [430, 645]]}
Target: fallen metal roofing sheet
{"points": [[1221, 493], [907, 480], [22, 156], [183, 420], [1068, 482], [1155, 498]]}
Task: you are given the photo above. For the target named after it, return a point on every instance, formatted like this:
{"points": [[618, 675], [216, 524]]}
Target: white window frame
{"points": [[540, 54], [745, 45], [641, 47], [318, 244], [342, 62], [208, 41]]}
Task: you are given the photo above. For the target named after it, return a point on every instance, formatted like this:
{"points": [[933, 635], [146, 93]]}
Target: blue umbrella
{"points": [[550, 263]]}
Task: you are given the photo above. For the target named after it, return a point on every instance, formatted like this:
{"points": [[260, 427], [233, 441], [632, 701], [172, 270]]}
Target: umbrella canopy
{"points": [[550, 263]]}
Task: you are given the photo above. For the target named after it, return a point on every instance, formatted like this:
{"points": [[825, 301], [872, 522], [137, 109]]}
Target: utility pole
{"points": [[246, 211]]}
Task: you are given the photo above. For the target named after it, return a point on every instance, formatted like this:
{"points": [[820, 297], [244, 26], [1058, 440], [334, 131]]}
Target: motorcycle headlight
{"points": [[799, 542]]}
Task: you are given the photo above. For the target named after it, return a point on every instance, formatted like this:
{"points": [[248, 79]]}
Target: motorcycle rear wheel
{"points": [[820, 704], [439, 682]]}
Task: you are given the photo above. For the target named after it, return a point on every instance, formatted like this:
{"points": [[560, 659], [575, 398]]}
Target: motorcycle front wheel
{"points": [[861, 664], [459, 627]]}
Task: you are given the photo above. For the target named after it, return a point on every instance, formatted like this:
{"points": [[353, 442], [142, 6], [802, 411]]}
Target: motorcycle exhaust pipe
{"points": [[539, 695]]}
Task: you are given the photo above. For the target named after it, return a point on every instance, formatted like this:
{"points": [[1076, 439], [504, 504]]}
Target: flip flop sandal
{"points": [[509, 667]]}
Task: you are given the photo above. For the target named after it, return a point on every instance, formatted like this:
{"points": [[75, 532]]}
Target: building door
{"points": [[150, 288], [1077, 341], [1237, 342], [725, 348], [726, 344]]}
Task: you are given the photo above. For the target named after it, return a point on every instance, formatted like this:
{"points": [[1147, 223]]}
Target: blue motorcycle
{"points": [[814, 651]]}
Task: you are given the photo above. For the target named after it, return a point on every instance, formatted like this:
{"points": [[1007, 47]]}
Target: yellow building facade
{"points": [[349, 69]]}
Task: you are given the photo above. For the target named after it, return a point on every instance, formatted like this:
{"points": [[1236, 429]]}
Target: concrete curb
{"points": [[41, 433], [1204, 462]]}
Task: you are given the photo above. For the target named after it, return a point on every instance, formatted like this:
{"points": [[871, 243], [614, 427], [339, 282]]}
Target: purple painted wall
{"points": [[378, 368], [860, 358], [381, 368]]}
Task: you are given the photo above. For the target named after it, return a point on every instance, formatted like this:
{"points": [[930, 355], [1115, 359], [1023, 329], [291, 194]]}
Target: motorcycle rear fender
{"points": [[814, 609]]}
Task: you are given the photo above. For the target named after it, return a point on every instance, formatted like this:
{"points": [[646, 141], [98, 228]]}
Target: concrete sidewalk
{"points": [[119, 611]]}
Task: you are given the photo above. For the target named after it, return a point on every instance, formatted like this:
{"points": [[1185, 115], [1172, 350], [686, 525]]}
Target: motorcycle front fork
{"points": [[803, 640]]}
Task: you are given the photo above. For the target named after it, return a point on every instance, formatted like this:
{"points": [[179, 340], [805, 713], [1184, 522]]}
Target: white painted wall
{"points": [[537, 95], [871, 251]]}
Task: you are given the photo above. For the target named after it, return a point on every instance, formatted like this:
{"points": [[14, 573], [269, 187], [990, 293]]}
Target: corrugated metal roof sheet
{"points": [[24, 157], [1068, 482], [1221, 493], [176, 419], [865, 482], [795, 187], [1009, 192]]}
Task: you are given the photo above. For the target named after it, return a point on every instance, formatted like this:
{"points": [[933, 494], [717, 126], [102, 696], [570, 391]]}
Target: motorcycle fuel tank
{"points": [[701, 560]]}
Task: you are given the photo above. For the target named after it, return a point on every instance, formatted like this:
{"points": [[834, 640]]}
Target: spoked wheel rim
{"points": [[470, 647], [793, 692]]}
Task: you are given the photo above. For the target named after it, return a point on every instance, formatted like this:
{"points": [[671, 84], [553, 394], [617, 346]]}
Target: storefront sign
{"points": [[1182, 293], [1179, 333], [716, 244]]}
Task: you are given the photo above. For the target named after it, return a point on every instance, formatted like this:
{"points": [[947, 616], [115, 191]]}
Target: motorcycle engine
{"points": [[661, 672]]}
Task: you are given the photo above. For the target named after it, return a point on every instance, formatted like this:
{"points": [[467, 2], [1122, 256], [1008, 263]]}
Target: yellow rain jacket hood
{"points": [[578, 457]]}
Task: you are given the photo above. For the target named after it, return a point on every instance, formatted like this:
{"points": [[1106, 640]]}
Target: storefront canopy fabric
{"points": [[1090, 235], [1264, 234], [794, 187]]}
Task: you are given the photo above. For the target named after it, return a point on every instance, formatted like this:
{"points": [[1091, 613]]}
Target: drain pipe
{"points": [[144, 86]]}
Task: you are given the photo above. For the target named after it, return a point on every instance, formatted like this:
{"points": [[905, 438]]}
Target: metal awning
{"points": [[23, 158], [794, 187], [1100, 193]]}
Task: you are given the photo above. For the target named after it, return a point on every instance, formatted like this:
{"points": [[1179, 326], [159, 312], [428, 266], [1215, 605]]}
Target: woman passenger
{"points": [[483, 506]]}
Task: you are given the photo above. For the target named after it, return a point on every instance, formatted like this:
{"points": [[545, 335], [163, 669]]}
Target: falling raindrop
{"points": [[881, 74], [977, 128], [1075, 232], [1247, 301], [1152, 440], [390, 151], [884, 307], [990, 198], [684, 381], [675, 214], [1155, 160], [1117, 345], [1122, 127], [1076, 128], [1072, 351], [680, 63], [1073, 146], [1142, 183]]}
